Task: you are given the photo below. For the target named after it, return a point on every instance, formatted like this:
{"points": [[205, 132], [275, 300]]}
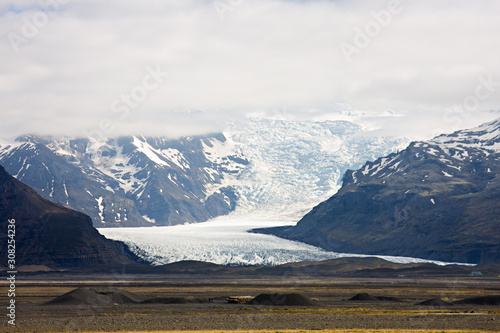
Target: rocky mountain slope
{"points": [[51, 235], [130, 181], [438, 199], [271, 168]]}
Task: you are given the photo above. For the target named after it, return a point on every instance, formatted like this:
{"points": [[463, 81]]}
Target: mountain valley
{"points": [[257, 166]]}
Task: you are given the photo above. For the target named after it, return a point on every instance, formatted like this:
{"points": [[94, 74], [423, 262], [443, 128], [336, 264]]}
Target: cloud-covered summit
{"points": [[76, 66]]}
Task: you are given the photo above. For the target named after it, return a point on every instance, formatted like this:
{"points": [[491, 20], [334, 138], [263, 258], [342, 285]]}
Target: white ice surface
{"points": [[225, 241], [294, 165]]}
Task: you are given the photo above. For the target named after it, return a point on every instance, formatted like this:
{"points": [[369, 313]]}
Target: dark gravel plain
{"points": [[392, 305]]}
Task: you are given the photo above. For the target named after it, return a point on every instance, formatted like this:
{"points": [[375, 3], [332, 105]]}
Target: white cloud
{"points": [[263, 55]]}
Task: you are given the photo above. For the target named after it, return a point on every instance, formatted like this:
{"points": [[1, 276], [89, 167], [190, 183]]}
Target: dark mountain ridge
{"points": [[438, 200], [51, 235]]}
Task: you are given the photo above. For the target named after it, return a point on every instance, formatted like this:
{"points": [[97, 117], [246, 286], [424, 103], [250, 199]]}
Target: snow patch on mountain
{"points": [[486, 141], [153, 154], [101, 208]]}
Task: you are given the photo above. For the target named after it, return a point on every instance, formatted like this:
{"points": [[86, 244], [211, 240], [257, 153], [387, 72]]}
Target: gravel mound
{"points": [[481, 300], [119, 296], [368, 297], [96, 296], [281, 299], [435, 302], [362, 297]]}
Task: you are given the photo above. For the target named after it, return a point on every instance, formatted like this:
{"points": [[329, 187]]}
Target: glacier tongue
{"points": [[225, 241]]}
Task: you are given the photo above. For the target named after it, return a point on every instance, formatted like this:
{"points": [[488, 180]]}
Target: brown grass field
{"points": [[316, 331]]}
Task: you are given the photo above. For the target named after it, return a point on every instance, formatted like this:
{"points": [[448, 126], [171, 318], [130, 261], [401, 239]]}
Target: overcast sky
{"points": [[173, 67]]}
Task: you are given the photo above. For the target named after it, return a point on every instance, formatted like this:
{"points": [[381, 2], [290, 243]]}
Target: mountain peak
{"points": [[485, 136]]}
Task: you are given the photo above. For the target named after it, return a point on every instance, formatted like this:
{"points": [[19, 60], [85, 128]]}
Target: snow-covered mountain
{"points": [[438, 199], [274, 168], [131, 181]]}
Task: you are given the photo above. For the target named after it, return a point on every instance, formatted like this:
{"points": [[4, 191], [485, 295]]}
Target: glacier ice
{"points": [[294, 165], [225, 241]]}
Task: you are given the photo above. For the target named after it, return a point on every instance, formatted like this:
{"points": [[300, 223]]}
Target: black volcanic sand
{"points": [[279, 304], [281, 299], [113, 296], [481, 300], [175, 300], [96, 296], [368, 297], [435, 302]]}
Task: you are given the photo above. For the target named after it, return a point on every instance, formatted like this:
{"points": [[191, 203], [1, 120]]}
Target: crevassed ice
{"points": [[225, 241]]}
